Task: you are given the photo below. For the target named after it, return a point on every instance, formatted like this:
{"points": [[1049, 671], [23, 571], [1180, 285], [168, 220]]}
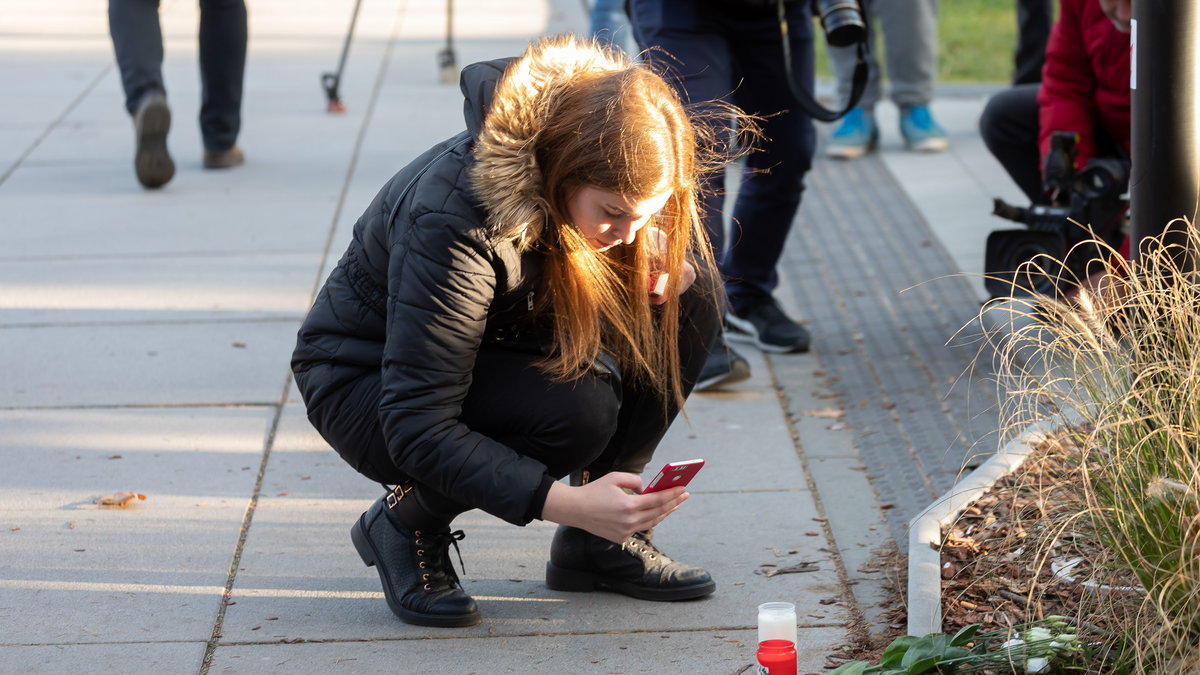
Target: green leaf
{"points": [[919, 651], [895, 651], [852, 668], [953, 653], [963, 636], [925, 665]]}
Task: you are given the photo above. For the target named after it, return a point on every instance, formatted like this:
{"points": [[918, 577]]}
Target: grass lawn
{"points": [[976, 39]]}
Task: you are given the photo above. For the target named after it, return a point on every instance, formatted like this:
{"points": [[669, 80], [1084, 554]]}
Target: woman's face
{"points": [[607, 219]]}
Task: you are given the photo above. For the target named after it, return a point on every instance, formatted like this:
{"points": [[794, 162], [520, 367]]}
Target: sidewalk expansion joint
{"points": [[141, 406], [274, 318], [426, 638]]}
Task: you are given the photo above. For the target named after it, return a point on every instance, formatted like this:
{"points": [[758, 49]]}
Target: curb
{"points": [[924, 535]]}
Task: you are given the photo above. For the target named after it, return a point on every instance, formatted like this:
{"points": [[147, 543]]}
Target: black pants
{"points": [[1034, 18], [720, 51], [593, 422], [1009, 126], [137, 41]]}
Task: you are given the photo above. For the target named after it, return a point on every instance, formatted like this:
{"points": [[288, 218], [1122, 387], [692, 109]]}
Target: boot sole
{"points": [[366, 551], [151, 161], [577, 581]]}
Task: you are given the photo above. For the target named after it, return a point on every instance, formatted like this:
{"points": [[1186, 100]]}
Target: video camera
{"points": [[1086, 205]]}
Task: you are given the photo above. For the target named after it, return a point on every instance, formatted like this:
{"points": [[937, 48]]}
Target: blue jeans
{"points": [[714, 52], [137, 41]]}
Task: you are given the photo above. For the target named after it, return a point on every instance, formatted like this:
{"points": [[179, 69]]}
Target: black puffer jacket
{"points": [[433, 270]]}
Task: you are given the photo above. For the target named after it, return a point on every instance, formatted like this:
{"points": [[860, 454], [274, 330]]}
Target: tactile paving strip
{"points": [[879, 294]]}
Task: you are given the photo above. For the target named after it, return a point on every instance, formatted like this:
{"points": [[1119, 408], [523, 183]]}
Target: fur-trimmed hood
{"points": [[505, 113]]}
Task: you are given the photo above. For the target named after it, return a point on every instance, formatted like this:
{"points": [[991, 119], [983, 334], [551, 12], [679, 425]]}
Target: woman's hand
{"points": [[687, 278], [605, 509]]}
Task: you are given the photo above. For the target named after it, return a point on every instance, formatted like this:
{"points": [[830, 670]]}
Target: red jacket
{"points": [[1085, 82]]}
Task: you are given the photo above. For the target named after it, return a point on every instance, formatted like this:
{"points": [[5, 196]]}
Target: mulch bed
{"points": [[999, 559], [1002, 563]]}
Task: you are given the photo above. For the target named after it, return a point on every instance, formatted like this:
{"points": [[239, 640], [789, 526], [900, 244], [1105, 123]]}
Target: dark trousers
{"points": [[595, 422], [1009, 126], [1034, 18], [720, 51], [137, 41]]}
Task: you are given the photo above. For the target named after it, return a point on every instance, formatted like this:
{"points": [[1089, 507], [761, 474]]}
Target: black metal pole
{"points": [[1165, 177]]}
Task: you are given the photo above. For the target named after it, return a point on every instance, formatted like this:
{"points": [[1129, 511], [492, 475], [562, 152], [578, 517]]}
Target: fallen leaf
{"points": [[239, 345], [114, 457], [830, 413], [80, 550], [828, 601], [119, 499], [812, 534], [806, 566]]}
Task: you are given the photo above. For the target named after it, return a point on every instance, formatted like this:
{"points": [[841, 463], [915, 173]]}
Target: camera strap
{"points": [[858, 83]]}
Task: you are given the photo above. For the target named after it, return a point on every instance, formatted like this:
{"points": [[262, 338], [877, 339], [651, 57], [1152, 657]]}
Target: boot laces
{"points": [[441, 568], [642, 545]]}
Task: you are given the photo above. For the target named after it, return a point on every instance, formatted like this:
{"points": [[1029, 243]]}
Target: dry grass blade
{"points": [[1124, 356]]}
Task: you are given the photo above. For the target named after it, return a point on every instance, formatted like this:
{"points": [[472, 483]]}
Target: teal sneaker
{"points": [[921, 132], [855, 136]]}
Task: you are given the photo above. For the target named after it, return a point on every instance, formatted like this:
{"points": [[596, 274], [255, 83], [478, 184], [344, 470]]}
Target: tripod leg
{"points": [[331, 81], [446, 61]]}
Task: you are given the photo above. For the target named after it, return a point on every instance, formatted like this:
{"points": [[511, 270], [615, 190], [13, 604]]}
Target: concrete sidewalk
{"points": [[146, 341]]}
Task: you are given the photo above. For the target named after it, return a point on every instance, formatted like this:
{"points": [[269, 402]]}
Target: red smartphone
{"points": [[674, 474]]}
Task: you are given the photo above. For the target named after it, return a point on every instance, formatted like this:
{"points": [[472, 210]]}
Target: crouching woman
{"points": [[489, 330]]}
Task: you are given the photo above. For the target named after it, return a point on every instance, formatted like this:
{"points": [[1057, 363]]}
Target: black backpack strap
{"points": [[807, 103]]}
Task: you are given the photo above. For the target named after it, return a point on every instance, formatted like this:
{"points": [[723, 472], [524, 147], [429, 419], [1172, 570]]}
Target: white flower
{"points": [[1038, 634], [1014, 643], [1037, 664]]}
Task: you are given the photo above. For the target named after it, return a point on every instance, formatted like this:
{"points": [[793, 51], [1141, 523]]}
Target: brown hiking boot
{"points": [[151, 161], [223, 159]]}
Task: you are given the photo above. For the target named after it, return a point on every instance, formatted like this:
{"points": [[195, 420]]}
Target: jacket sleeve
{"points": [[1066, 100], [441, 282]]}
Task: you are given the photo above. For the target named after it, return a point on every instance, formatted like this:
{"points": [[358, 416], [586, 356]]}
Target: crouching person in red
{"points": [[489, 330]]}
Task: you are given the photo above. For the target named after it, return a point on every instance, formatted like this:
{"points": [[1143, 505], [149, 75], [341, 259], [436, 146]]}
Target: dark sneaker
{"points": [[151, 161], [764, 325], [723, 366], [581, 562], [223, 159]]}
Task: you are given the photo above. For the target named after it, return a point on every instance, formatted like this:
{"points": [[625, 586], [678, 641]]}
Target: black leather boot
{"points": [[419, 582], [582, 562]]}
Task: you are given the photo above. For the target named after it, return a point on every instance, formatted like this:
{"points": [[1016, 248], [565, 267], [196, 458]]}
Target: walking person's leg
{"points": [[857, 134], [680, 38], [223, 38], [910, 35], [137, 44], [773, 179], [1034, 19]]}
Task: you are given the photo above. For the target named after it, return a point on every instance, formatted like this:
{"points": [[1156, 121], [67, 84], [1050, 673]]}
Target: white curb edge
{"points": [[925, 531]]}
